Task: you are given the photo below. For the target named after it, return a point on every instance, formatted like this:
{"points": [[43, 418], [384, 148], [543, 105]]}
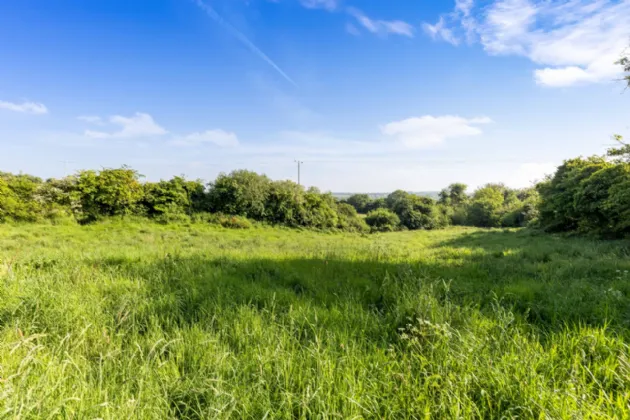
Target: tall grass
{"points": [[126, 320]]}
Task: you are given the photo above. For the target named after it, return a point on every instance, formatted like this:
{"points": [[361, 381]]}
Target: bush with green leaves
{"points": [[240, 193], [109, 192], [416, 212], [361, 202], [589, 195], [558, 212], [454, 195], [349, 220], [175, 196], [382, 220]]}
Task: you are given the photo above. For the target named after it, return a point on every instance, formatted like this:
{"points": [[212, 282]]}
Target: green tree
{"points": [[454, 195], [486, 206], [382, 220], [285, 203], [360, 202], [392, 199], [110, 192], [378, 203], [241, 193], [558, 193], [349, 220], [175, 196]]}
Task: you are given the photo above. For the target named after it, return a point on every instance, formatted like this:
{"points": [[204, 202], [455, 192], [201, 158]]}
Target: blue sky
{"points": [[371, 95]]}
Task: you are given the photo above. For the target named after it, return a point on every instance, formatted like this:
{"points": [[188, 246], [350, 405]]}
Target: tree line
{"points": [[243, 195], [232, 199], [493, 205], [585, 195]]}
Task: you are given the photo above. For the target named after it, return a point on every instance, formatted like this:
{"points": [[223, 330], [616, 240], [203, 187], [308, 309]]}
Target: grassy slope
{"points": [[146, 321]]}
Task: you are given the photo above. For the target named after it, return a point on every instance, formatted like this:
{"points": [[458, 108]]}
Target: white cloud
{"points": [[440, 31], [426, 131], [464, 6], [573, 41], [25, 107], [138, 125], [91, 119], [217, 137], [329, 5], [382, 27]]}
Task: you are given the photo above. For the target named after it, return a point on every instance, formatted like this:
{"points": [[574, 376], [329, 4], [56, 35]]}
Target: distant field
{"points": [[344, 195], [123, 320]]}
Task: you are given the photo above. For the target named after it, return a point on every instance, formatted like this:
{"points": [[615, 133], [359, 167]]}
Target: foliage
{"points": [[495, 205], [416, 212], [454, 195], [486, 206], [242, 193], [382, 220], [176, 196], [109, 192], [361, 202], [378, 203], [558, 211], [349, 220]]}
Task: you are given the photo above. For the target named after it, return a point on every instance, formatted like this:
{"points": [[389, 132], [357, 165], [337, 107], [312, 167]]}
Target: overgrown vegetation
{"points": [[94, 195], [589, 195], [120, 320], [493, 205]]}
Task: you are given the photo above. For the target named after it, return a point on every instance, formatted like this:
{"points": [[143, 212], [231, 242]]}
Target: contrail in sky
{"points": [[241, 37]]}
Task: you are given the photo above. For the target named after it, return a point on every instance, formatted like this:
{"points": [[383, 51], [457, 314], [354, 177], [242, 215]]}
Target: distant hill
{"points": [[344, 195]]}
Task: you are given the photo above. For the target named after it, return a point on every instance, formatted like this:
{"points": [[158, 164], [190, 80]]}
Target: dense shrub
{"points": [[378, 203], [349, 220], [176, 196], [109, 192], [495, 205], [242, 193], [382, 220], [557, 207], [360, 202], [416, 212], [589, 195]]}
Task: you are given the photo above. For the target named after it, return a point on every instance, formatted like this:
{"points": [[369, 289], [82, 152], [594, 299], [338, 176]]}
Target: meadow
{"points": [[141, 320]]}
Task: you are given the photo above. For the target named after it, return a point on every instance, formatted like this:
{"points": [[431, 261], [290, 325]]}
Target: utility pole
{"points": [[65, 166], [299, 163]]}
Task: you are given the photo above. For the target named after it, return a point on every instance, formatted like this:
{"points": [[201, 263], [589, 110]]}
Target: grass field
{"points": [[123, 320]]}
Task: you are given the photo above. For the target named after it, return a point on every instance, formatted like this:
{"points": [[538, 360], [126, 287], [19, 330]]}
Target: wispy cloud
{"points": [[426, 131], [382, 27], [242, 38], [217, 137], [25, 107], [352, 30], [136, 126], [573, 41], [440, 31], [329, 5]]}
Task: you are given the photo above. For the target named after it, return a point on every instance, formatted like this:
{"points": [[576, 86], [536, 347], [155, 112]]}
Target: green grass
{"points": [[124, 320]]}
